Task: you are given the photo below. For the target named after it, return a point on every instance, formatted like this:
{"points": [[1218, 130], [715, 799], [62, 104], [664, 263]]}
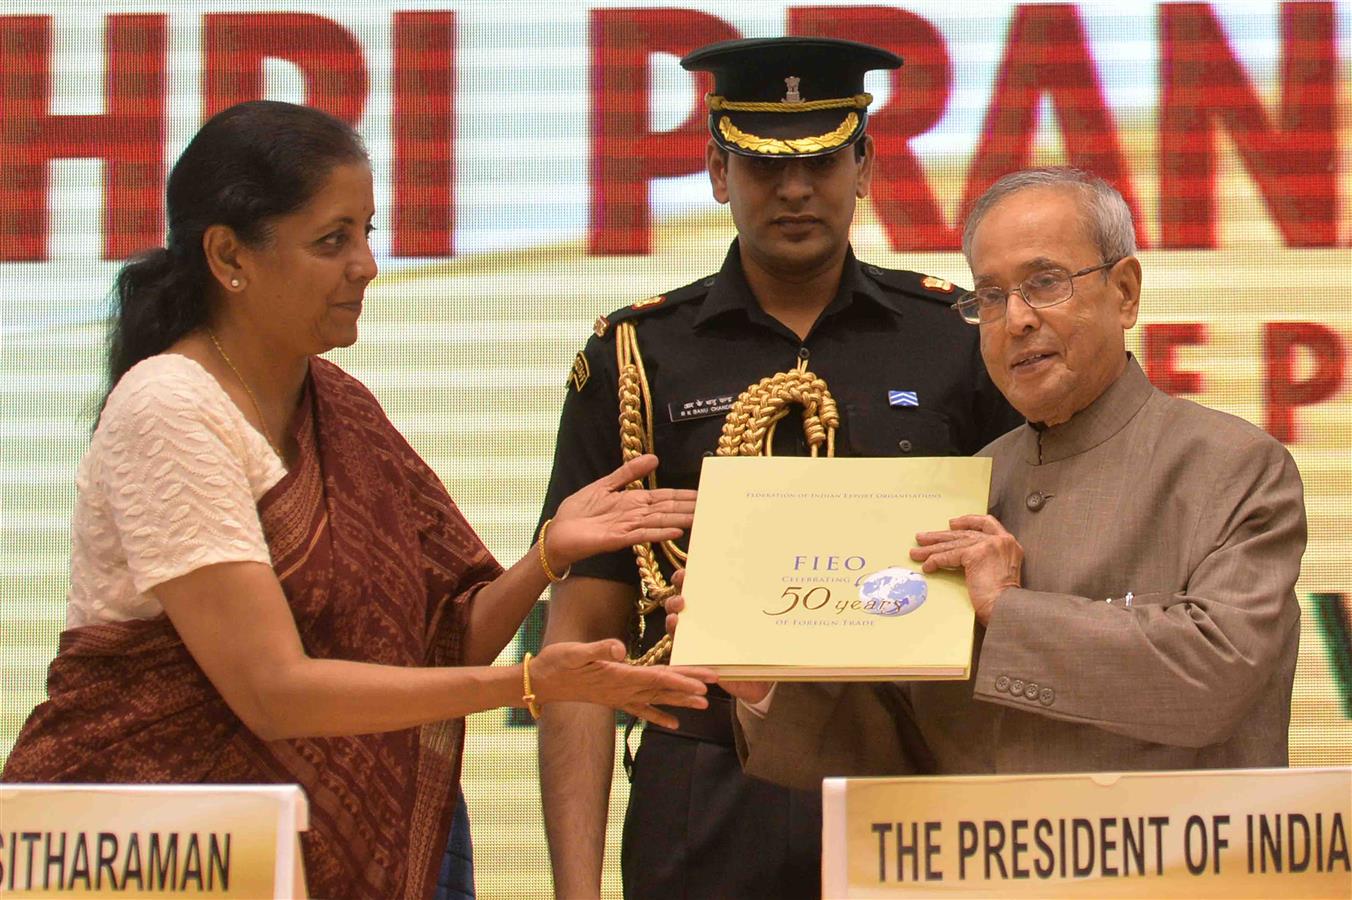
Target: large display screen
{"points": [[538, 164]]}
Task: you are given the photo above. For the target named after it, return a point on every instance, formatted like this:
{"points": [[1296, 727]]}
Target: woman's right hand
{"points": [[597, 673]]}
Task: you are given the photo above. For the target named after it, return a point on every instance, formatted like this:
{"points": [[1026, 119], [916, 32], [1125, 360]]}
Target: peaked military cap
{"points": [[790, 96]]}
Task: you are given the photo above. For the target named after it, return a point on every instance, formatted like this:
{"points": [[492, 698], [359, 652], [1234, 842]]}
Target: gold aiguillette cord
{"points": [[748, 430]]}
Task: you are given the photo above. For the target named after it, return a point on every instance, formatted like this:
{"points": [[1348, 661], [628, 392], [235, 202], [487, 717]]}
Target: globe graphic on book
{"points": [[894, 591]]}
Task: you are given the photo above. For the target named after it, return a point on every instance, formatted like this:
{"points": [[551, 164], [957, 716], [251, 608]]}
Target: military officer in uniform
{"points": [[790, 157]]}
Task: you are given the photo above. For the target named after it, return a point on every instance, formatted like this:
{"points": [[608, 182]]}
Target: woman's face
{"points": [[306, 282]]}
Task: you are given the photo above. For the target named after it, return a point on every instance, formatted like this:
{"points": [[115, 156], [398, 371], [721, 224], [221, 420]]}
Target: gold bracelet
{"points": [[544, 560], [527, 695]]}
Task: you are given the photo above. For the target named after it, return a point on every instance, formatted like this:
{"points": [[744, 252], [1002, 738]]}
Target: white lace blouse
{"points": [[169, 484]]}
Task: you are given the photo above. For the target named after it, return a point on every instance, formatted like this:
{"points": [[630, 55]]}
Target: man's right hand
{"points": [[750, 692]]}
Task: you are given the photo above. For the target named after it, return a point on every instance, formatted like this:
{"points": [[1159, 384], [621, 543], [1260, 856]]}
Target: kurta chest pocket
{"points": [[897, 431]]}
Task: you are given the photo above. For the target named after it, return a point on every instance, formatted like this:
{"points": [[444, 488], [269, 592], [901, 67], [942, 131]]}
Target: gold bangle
{"points": [[527, 695], [544, 559]]}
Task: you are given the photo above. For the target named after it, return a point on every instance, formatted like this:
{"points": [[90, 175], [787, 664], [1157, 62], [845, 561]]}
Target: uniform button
{"points": [[873, 270], [1002, 683], [1036, 500], [1016, 686], [803, 353], [709, 282], [708, 453], [1046, 696], [1031, 690], [904, 446]]}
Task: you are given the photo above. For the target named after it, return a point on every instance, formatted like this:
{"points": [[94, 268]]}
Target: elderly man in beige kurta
{"points": [[1135, 578]]}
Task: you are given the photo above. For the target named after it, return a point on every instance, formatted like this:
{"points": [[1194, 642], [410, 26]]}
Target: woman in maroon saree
{"points": [[348, 664]]}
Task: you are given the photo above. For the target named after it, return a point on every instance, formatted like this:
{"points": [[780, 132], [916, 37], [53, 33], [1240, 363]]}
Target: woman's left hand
{"points": [[604, 516]]}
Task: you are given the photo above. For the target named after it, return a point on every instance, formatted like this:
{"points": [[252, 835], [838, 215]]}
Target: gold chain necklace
{"points": [[257, 409]]}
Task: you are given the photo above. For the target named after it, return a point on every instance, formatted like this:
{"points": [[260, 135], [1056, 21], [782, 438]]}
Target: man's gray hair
{"points": [[1105, 213]]}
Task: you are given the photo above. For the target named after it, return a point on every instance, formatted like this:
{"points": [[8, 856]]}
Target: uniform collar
{"points": [[1092, 425], [729, 291]]}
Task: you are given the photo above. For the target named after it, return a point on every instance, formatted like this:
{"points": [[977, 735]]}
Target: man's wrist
{"points": [[760, 708], [986, 611]]}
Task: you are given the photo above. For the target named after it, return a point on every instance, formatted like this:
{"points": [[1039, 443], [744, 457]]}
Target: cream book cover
{"points": [[800, 569]]}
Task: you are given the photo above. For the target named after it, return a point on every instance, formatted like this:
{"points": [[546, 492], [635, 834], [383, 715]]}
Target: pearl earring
{"points": [[234, 282]]}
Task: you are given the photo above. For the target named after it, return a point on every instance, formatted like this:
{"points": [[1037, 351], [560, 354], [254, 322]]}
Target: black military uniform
{"points": [[886, 332], [907, 377]]}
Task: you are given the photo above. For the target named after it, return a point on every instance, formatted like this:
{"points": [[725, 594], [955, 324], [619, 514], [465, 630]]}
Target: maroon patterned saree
{"points": [[378, 565]]}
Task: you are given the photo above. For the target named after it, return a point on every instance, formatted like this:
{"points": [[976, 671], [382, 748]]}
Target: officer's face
{"points": [[792, 215], [1051, 363]]}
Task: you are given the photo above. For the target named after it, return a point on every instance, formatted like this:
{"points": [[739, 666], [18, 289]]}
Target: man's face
{"points": [[792, 215], [1051, 363]]}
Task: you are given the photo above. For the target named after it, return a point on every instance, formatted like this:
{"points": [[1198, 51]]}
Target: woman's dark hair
{"points": [[248, 165]]}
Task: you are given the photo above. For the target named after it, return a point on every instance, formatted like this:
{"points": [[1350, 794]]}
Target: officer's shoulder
{"points": [[650, 306], [905, 286]]}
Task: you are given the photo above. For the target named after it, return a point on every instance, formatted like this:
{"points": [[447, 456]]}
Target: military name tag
{"points": [[698, 409]]}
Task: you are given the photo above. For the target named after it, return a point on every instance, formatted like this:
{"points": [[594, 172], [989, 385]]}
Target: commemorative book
{"points": [[799, 569]]}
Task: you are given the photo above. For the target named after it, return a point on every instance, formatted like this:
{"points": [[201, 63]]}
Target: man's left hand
{"points": [[990, 557]]}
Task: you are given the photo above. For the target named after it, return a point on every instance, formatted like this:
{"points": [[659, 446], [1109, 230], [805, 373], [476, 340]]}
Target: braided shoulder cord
{"points": [[636, 438], [748, 430]]}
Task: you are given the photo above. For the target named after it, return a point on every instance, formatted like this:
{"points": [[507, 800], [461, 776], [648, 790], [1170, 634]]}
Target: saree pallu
{"points": [[378, 566]]}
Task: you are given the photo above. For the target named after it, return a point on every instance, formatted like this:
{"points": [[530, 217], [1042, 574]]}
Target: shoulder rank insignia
{"points": [[602, 325], [651, 301], [937, 284], [580, 372]]}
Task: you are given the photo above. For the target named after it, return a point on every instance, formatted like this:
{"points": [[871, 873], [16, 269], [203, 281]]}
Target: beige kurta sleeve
{"points": [[175, 468], [814, 731], [1180, 668]]}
